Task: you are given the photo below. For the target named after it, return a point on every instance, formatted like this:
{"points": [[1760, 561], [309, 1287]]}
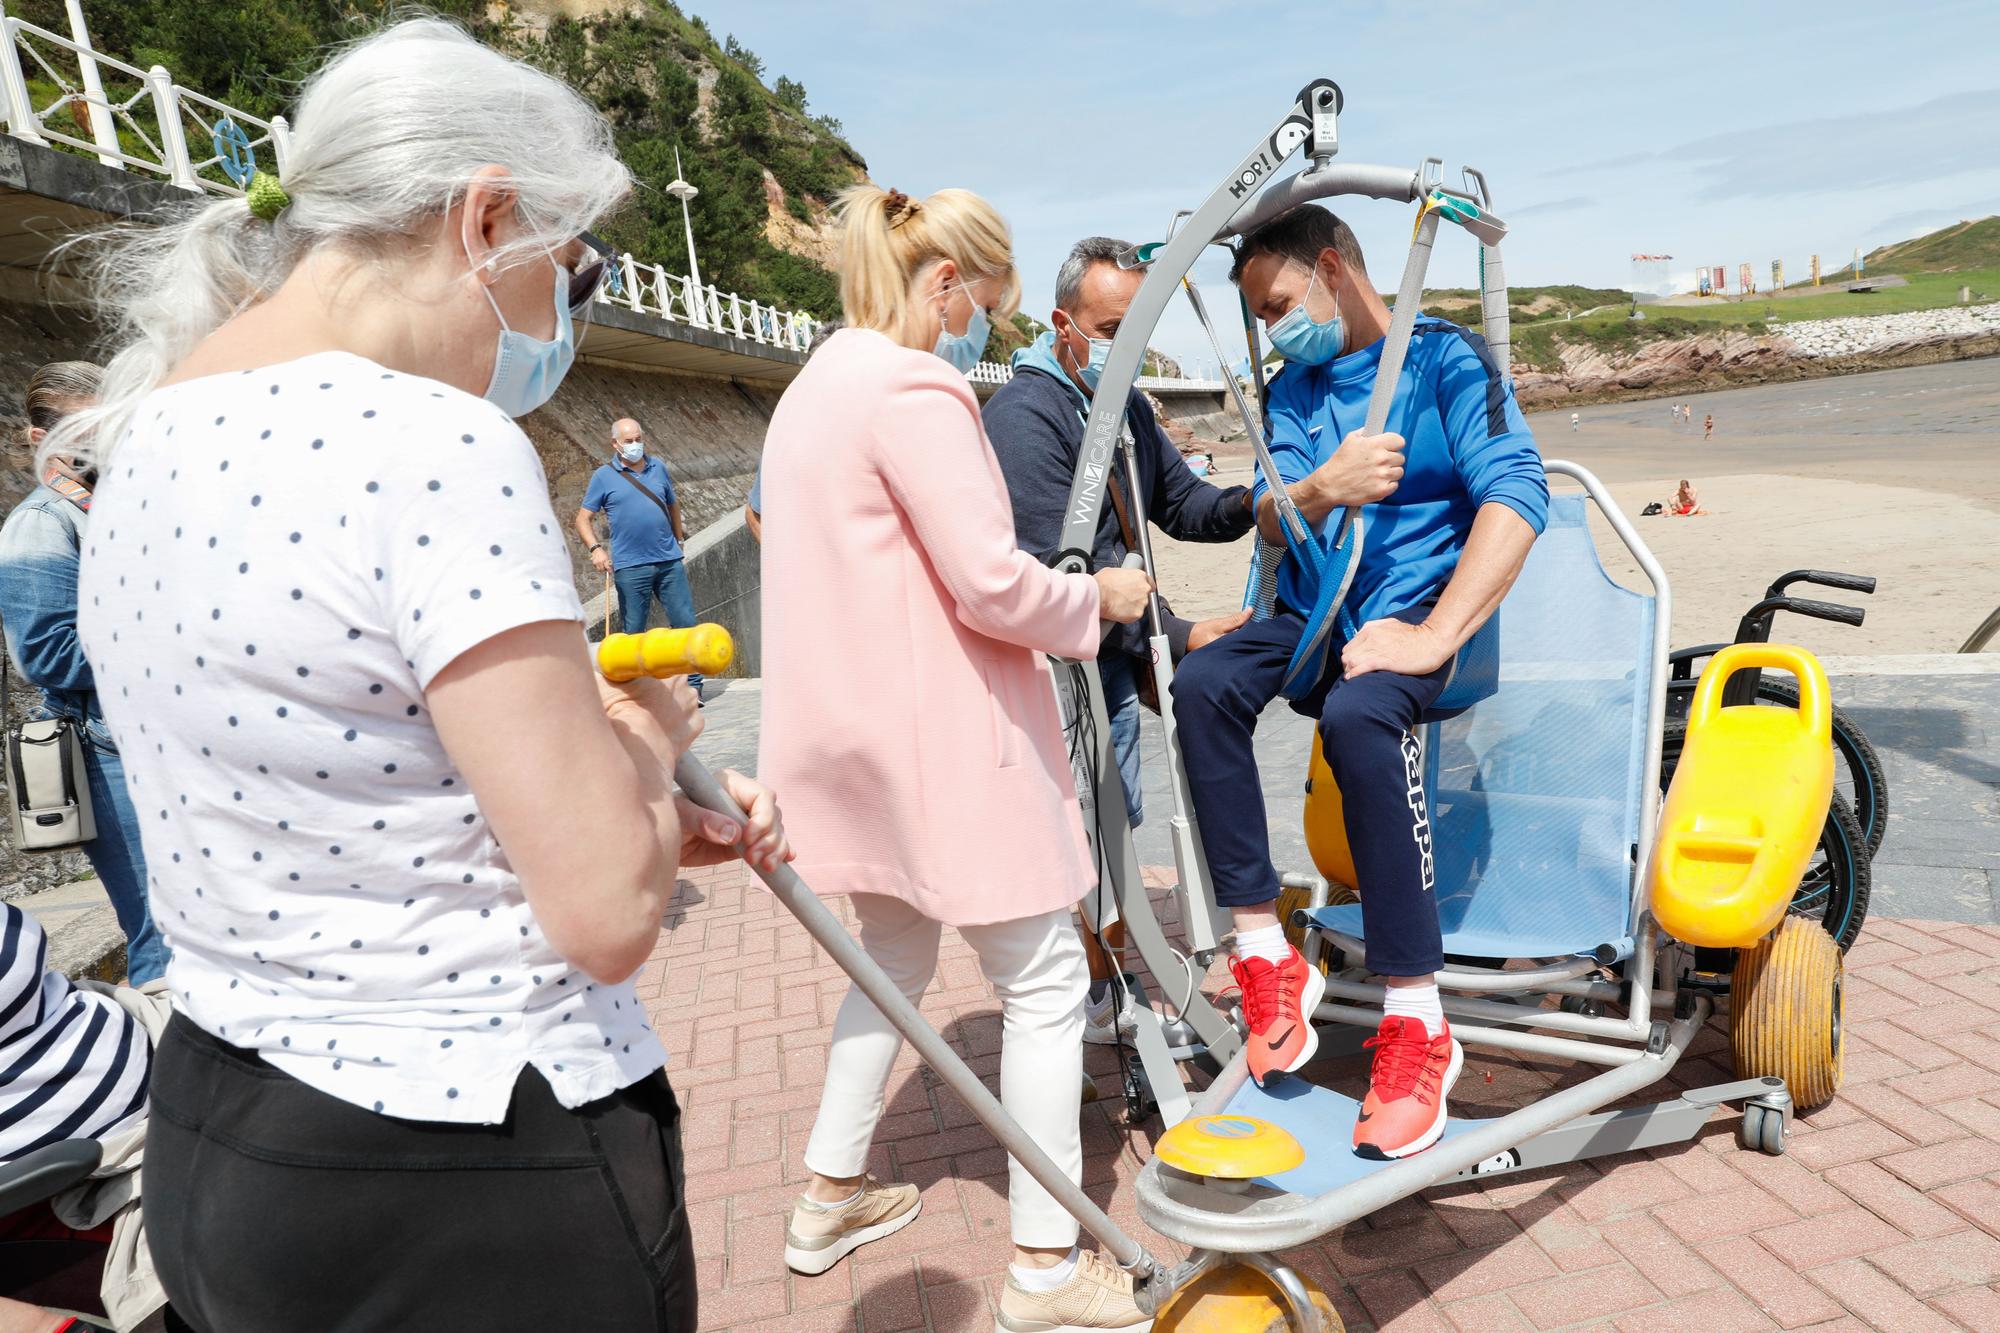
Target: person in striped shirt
{"points": [[74, 1061]]}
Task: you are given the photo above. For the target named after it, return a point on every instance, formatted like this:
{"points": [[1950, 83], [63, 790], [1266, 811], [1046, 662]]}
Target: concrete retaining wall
{"points": [[1209, 415]]}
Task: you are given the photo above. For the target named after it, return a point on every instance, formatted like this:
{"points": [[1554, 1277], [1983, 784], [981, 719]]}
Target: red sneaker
{"points": [[1404, 1111], [1278, 1002]]}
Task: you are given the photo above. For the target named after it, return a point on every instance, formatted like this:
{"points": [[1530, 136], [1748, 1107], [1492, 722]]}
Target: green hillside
{"points": [[644, 62], [1953, 249], [1525, 305]]}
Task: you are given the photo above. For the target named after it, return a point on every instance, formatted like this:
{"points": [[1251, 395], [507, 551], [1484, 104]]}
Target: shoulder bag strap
{"points": [[646, 491]]}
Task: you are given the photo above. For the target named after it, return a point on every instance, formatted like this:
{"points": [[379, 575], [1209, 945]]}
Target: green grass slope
{"points": [[1958, 248]]}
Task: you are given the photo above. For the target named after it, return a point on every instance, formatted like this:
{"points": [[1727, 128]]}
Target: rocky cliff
{"points": [[1726, 359]]}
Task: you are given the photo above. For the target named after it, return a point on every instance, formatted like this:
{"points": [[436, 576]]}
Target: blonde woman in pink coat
{"points": [[909, 721]]}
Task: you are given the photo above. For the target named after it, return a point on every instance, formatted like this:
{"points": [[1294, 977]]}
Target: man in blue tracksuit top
{"points": [[1454, 495]]}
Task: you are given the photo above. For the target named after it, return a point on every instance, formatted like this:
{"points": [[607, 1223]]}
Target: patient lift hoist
{"points": [[1242, 1173]]}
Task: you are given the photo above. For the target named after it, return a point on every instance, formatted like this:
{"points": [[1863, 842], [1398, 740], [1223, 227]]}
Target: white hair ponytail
{"points": [[387, 135]]}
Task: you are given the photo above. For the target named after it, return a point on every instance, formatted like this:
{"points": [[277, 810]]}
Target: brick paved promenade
{"points": [[1883, 1215]]}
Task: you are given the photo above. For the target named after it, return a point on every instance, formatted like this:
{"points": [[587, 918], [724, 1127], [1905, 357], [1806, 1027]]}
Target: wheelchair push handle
{"points": [[1834, 611], [1825, 578], [1755, 627]]}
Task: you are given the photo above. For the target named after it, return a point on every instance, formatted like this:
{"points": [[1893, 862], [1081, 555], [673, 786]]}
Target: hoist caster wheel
{"points": [[1762, 1130], [1786, 1011], [1236, 1298]]}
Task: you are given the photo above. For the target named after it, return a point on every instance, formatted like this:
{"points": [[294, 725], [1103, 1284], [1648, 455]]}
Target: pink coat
{"points": [[909, 729]]}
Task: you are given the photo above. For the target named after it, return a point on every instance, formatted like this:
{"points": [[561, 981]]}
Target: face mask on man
{"points": [[631, 450], [527, 371], [1298, 337], [1091, 370], [962, 350]]}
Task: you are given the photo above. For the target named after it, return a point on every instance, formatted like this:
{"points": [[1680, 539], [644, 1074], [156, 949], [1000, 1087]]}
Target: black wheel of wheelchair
{"points": [[1858, 776], [1834, 889]]}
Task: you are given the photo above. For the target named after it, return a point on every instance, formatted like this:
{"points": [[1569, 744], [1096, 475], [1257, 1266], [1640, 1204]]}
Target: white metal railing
{"points": [[648, 289], [1198, 378], [143, 125]]}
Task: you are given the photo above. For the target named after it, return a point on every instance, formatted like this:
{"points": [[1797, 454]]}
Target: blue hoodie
{"points": [[1467, 445]]}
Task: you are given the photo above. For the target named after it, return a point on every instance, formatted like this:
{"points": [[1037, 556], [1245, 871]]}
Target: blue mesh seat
{"points": [[1535, 791]]}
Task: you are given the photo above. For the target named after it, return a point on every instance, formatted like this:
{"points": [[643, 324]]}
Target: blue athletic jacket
{"points": [[1468, 444]]}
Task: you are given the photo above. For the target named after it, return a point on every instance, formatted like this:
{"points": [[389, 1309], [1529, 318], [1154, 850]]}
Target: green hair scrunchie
{"points": [[266, 197]]}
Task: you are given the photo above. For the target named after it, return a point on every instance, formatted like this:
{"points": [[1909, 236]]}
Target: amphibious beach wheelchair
{"points": [[1572, 901], [1571, 896]]}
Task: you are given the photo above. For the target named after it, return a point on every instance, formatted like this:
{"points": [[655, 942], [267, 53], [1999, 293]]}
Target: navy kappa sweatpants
{"points": [[1367, 730]]}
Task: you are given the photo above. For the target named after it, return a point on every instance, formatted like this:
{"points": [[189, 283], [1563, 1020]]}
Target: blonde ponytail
{"points": [[886, 237]]}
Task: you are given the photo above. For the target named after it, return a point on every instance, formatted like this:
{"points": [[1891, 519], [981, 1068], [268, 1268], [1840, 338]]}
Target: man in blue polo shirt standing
{"points": [[643, 551], [1452, 496]]}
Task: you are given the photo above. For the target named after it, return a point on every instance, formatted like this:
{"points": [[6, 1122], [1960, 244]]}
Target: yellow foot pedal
{"points": [[1229, 1147]]}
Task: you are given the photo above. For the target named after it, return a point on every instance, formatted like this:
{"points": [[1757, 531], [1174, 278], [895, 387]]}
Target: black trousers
{"points": [[1367, 731], [274, 1208]]}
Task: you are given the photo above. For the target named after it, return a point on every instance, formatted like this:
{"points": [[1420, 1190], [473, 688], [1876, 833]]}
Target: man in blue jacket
{"points": [[1035, 422], [1452, 498]]}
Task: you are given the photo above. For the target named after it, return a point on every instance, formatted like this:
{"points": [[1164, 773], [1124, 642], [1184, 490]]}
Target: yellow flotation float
{"points": [[1746, 805]]}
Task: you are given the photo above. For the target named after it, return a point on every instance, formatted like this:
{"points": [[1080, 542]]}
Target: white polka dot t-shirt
{"points": [[279, 562]]}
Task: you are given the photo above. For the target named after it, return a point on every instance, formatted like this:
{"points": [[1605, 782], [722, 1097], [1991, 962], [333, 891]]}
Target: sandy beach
{"points": [[1894, 473]]}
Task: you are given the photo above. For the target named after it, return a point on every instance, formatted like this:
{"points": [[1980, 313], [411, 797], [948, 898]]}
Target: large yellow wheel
{"points": [[1236, 1298], [1785, 1011]]}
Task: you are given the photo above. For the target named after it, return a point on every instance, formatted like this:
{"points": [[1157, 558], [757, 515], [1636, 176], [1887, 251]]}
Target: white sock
{"points": [[836, 1206], [1265, 942], [1419, 1002], [1044, 1279]]}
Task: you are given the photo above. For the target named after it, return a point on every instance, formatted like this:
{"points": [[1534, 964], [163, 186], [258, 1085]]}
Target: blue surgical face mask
{"points": [[632, 450], [1091, 371], [527, 370], [1301, 338], [962, 350]]}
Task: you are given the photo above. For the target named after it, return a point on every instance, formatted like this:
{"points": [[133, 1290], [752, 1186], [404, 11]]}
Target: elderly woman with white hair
{"points": [[408, 1083]]}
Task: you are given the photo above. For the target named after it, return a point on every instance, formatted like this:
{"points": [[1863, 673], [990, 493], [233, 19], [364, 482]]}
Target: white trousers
{"points": [[1036, 967]]}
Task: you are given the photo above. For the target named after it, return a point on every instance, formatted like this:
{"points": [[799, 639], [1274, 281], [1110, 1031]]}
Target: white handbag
{"points": [[47, 785]]}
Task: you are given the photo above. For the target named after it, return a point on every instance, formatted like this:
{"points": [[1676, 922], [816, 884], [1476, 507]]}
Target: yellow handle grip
{"points": [[706, 649], [1815, 695]]}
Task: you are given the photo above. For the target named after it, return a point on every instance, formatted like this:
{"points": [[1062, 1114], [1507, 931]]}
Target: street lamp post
{"points": [[682, 191]]}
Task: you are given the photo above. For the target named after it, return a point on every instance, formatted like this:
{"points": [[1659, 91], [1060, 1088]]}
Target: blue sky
{"points": [[1718, 133]]}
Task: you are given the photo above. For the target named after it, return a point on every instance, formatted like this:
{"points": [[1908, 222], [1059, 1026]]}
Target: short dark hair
{"points": [[1086, 253], [1299, 235]]}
